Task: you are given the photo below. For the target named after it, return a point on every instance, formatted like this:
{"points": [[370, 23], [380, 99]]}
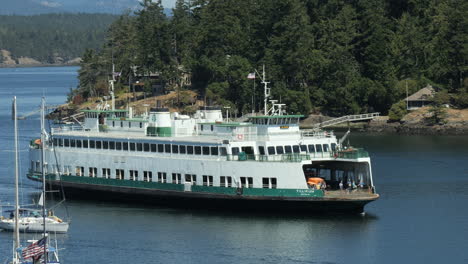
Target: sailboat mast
{"points": [[43, 175], [16, 234]]}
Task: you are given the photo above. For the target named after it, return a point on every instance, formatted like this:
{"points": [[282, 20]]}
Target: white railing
{"points": [[347, 118]]}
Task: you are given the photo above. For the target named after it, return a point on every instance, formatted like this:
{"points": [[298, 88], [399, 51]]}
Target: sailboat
{"points": [[32, 219], [38, 251]]}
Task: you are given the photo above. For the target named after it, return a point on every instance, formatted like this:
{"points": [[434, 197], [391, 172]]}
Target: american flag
{"points": [[251, 75], [35, 250]]}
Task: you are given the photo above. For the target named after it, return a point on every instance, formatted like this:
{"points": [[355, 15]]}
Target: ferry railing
{"points": [[351, 153], [316, 133], [66, 129], [294, 157]]}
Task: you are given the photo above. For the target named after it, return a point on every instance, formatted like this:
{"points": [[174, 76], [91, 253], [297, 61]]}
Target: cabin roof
{"points": [[424, 94]]}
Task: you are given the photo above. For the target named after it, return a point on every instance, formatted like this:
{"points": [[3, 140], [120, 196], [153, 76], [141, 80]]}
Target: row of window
{"points": [[144, 147], [134, 175], [187, 149]]}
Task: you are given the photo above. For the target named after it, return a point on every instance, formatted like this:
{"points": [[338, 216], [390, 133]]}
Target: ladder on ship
{"points": [[348, 118]]}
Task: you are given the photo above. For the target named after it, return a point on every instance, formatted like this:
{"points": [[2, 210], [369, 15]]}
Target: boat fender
{"points": [[239, 191], [240, 136]]}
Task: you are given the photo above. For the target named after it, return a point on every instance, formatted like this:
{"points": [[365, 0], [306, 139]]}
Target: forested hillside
{"points": [[46, 37], [337, 57]]}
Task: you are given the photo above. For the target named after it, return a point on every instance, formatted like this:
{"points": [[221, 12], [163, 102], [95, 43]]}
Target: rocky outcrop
{"points": [[8, 60]]}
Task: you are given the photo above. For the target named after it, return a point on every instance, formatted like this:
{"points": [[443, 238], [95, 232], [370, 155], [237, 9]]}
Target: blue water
{"points": [[421, 216]]}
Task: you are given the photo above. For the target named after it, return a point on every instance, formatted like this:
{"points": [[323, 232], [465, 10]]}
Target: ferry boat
{"points": [[205, 160]]}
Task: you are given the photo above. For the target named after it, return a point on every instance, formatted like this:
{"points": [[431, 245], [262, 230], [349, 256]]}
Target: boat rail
{"points": [[351, 153], [316, 133]]}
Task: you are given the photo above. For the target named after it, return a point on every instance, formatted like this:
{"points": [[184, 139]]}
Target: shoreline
{"points": [[9, 66]]}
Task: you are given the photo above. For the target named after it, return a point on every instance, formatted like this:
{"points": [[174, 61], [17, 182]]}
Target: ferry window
{"points": [[92, 172], [139, 146], [175, 149], [129, 124], [287, 149], [182, 149], [119, 174], [303, 148], [106, 173], [153, 147], [132, 146], [248, 150], [146, 147], [189, 149], [55, 140], [223, 151], [197, 150], [273, 183], [167, 148], [333, 146], [92, 144], [133, 175], [246, 182], [201, 127], [214, 151], [318, 147], [225, 181], [162, 177], [105, 145], [67, 142], [271, 151], [78, 143], [296, 149], [85, 143], [176, 178], [211, 127], [118, 145], [325, 147], [311, 148], [147, 176], [121, 123], [265, 183], [206, 150], [261, 150], [191, 178], [235, 151], [98, 144], [141, 125], [250, 182], [60, 141], [125, 145], [72, 143], [279, 150], [160, 148], [207, 180]]}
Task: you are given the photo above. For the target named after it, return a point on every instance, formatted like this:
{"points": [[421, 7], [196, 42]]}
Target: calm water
{"points": [[421, 217]]}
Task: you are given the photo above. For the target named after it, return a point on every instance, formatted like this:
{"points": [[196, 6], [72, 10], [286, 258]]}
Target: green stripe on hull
{"points": [[180, 187]]}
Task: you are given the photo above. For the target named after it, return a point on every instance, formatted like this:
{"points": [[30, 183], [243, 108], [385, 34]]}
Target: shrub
{"points": [[397, 111]]}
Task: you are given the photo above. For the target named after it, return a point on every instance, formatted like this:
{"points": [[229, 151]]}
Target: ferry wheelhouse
{"points": [[265, 163]]}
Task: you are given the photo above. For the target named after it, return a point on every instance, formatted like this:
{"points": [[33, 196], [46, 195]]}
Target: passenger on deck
{"points": [[341, 185]]}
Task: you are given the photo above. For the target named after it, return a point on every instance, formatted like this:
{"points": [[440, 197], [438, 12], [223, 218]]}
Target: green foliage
{"points": [[397, 112], [437, 116], [47, 37], [342, 57]]}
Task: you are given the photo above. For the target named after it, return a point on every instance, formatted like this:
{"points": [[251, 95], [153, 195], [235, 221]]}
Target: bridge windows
{"points": [[325, 147], [191, 178], [311, 148], [261, 150], [271, 150], [214, 151], [279, 150], [197, 150], [182, 149], [133, 175], [235, 151], [318, 148]]}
